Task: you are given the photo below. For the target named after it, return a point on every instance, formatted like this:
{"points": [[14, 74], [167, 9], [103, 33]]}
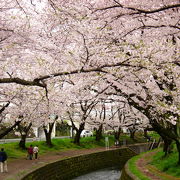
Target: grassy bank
{"points": [[167, 164], [164, 167], [134, 169], [14, 152]]}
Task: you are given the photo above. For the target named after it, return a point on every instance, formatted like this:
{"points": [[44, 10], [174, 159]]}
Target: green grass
{"points": [[14, 152], [133, 168], [167, 164], [154, 135]]}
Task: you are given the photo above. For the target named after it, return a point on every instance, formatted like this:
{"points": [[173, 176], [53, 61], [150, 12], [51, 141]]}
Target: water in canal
{"points": [[103, 174]]}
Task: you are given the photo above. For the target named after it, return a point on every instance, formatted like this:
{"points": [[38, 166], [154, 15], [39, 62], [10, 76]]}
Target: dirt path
{"points": [[150, 171], [17, 168], [142, 163]]}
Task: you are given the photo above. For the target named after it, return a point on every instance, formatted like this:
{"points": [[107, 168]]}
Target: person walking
{"points": [[30, 152], [35, 151], [3, 160]]}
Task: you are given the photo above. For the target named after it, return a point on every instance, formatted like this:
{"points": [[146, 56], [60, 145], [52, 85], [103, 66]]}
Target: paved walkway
{"points": [[18, 168]]}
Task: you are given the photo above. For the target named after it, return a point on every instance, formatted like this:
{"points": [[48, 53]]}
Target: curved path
{"points": [[19, 167], [151, 171]]}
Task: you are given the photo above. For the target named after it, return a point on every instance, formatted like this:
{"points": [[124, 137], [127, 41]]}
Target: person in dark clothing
{"points": [[30, 152], [3, 160]]}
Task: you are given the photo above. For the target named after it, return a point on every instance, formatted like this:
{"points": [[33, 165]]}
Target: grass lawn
{"points": [[163, 167], [14, 152], [167, 164], [133, 168]]}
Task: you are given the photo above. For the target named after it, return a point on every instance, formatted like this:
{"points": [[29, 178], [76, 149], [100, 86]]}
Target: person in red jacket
{"points": [[30, 152]]}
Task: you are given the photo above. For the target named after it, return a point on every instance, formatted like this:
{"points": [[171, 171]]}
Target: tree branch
{"points": [[139, 11], [23, 82], [39, 81], [96, 69], [4, 107]]}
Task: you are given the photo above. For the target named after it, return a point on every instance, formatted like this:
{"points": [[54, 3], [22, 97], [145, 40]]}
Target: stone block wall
{"points": [[139, 148], [75, 166], [70, 168], [126, 174]]}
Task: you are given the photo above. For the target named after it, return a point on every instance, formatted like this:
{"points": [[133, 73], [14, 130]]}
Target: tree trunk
{"points": [[166, 136], [77, 137], [167, 145], [22, 143], [145, 133], [99, 133], [48, 134], [117, 136], [48, 139], [132, 134], [24, 132], [78, 134], [178, 149]]}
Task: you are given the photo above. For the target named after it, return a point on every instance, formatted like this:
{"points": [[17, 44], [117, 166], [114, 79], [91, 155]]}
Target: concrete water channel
{"points": [[96, 165], [112, 173]]}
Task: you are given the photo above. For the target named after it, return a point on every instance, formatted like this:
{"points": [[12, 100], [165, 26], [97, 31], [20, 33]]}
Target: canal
{"points": [[112, 173]]}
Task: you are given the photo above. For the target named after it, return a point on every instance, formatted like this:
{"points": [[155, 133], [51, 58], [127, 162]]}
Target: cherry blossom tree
{"points": [[131, 46], [98, 120], [148, 32], [80, 113], [23, 129]]}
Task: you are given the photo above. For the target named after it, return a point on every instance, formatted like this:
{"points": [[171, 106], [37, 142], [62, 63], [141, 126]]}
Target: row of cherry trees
{"points": [[76, 54]]}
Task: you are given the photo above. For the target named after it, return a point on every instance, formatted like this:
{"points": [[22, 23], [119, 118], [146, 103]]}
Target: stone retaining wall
{"points": [[75, 166], [72, 167], [139, 148], [126, 174]]}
